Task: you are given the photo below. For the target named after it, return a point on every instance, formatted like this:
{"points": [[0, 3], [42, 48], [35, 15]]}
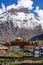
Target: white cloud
{"points": [[40, 14], [0, 10], [3, 7], [25, 3], [10, 6]]}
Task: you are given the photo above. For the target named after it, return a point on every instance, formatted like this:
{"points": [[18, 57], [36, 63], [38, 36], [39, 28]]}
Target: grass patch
{"points": [[17, 54]]}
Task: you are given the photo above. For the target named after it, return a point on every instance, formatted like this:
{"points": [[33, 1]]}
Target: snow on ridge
{"points": [[22, 20]]}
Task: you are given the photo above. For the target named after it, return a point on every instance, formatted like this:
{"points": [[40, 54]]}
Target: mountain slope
{"points": [[39, 37], [23, 25]]}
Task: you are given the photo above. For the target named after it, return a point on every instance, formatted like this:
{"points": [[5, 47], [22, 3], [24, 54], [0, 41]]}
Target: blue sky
{"points": [[35, 3], [38, 3], [8, 2]]}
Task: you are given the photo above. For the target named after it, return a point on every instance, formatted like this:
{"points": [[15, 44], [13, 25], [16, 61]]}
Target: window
{"points": [[41, 51]]}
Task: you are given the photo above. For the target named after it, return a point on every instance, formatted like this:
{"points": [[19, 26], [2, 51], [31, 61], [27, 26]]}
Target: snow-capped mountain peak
{"points": [[24, 24]]}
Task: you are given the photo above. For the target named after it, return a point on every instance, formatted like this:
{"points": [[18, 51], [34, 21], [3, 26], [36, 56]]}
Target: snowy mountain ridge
{"points": [[24, 20], [23, 23]]}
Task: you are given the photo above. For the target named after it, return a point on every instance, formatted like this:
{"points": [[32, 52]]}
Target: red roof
{"points": [[30, 46], [2, 47]]}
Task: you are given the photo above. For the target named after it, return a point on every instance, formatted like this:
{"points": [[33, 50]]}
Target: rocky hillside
{"points": [[39, 37], [24, 24]]}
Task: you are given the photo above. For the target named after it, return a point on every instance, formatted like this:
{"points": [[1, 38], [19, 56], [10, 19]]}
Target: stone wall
{"points": [[14, 48]]}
